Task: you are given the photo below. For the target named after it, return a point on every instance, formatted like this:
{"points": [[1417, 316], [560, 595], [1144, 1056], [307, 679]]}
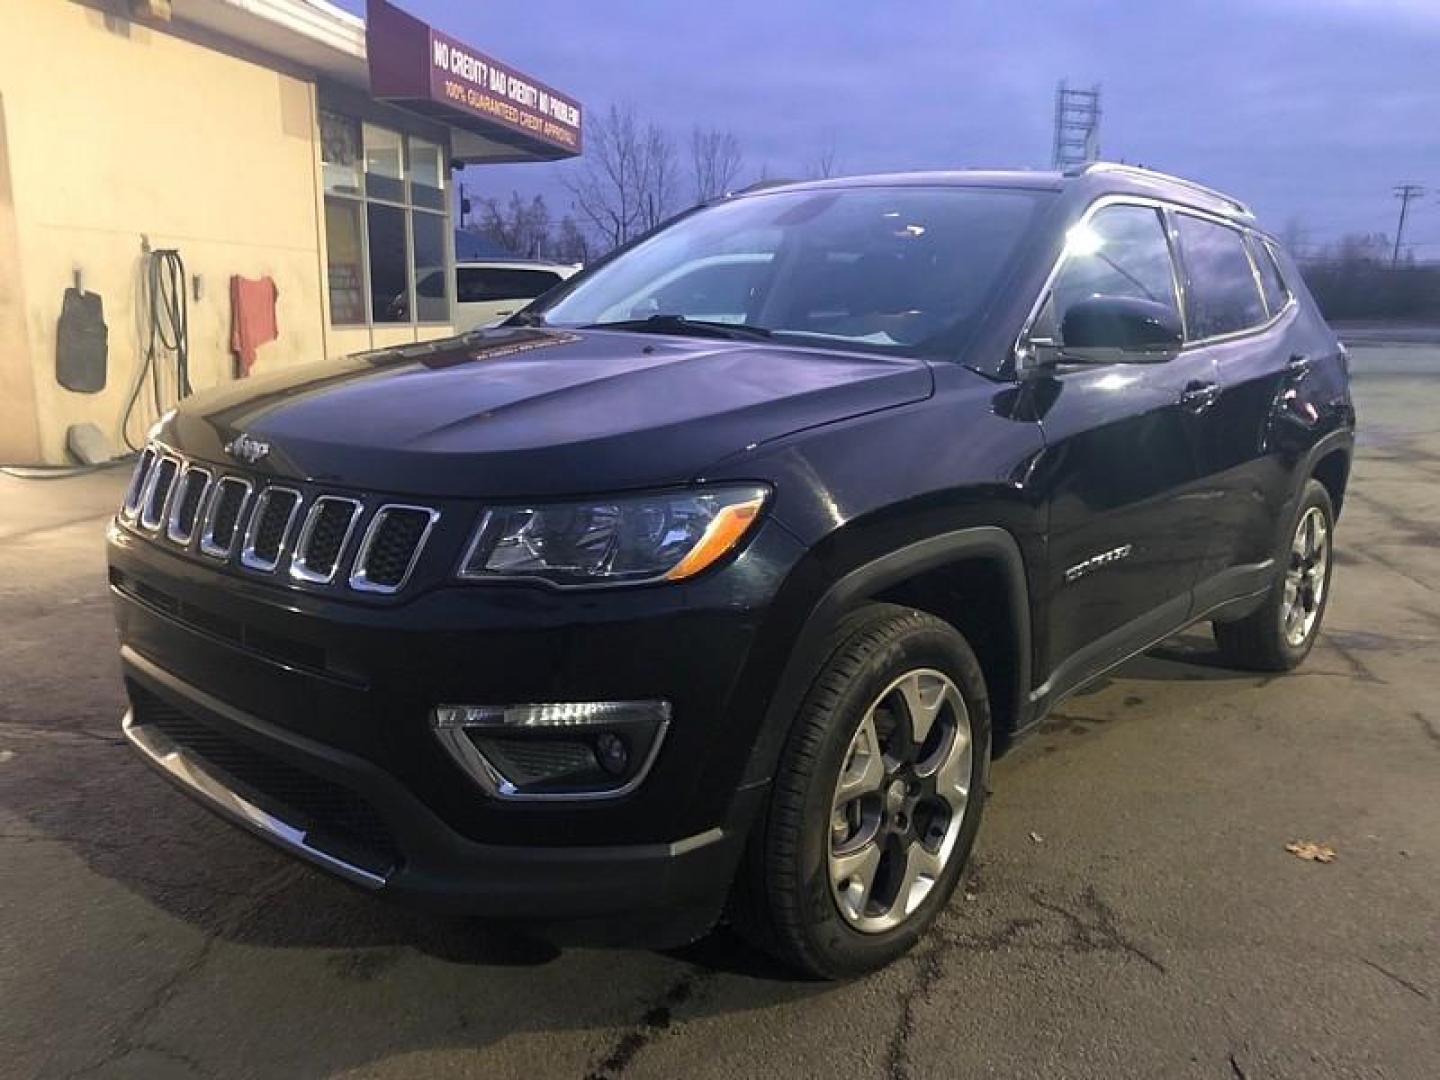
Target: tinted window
{"points": [[389, 267], [1120, 251], [427, 233], [1221, 296], [474, 285], [1273, 285]]}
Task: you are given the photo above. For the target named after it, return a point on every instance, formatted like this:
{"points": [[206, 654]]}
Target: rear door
{"points": [[1120, 467], [1239, 314]]}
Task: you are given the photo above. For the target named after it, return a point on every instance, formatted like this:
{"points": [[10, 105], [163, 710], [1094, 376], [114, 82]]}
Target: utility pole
{"points": [[1077, 126], [1403, 192]]}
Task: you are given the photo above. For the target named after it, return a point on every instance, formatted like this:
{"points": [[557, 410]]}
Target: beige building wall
{"points": [[19, 430], [119, 133]]}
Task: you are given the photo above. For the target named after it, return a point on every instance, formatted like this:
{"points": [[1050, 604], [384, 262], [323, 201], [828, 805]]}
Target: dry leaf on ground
{"points": [[1311, 851]]}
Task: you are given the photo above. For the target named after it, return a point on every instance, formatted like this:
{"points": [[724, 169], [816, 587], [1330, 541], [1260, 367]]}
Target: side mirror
{"points": [[1120, 330]]}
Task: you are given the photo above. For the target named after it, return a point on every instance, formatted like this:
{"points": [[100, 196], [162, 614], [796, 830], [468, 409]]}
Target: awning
{"points": [[511, 116]]}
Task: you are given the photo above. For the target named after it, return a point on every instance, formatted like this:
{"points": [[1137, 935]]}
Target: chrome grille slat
{"points": [[391, 547], [223, 516], [157, 492], [323, 539], [138, 479], [269, 530], [186, 504]]}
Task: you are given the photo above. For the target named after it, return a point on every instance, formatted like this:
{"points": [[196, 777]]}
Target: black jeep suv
{"points": [[714, 579]]}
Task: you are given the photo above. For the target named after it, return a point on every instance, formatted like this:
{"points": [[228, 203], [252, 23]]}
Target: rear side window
{"points": [[1120, 251], [480, 284], [1271, 281], [1221, 295]]}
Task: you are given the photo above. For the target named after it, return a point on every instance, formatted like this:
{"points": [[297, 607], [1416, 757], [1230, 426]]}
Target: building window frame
{"points": [[344, 133]]}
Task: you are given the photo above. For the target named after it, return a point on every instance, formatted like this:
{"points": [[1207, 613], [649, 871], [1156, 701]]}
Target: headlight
{"points": [[667, 536]]}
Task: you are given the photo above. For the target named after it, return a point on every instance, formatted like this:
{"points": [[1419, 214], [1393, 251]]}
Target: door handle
{"points": [[1298, 364], [1199, 396]]}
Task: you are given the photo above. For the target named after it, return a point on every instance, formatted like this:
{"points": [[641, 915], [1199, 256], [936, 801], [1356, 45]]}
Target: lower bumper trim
{"points": [[208, 786]]}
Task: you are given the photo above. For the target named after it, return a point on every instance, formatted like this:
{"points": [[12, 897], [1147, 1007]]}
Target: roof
{"points": [[313, 34], [1099, 177]]}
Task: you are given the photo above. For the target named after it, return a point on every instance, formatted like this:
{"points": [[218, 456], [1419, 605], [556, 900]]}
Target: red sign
{"points": [[431, 72]]}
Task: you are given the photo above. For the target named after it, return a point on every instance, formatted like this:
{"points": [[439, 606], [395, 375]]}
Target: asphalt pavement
{"points": [[1132, 910]]}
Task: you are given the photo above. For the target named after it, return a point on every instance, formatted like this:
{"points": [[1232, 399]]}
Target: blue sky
{"points": [[1309, 109]]}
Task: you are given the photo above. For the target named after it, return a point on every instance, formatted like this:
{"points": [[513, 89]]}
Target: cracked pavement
{"points": [[1157, 928]]}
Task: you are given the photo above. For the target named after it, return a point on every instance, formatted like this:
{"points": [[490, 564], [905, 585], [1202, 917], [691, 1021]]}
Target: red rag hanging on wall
{"points": [[252, 319]]}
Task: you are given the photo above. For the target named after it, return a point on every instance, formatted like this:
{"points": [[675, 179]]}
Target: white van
{"points": [[487, 290]]}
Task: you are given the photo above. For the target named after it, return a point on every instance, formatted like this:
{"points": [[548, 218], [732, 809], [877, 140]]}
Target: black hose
{"points": [[169, 321], [63, 472]]}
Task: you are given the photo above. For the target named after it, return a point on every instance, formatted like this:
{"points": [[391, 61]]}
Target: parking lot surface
{"points": [[1132, 909]]}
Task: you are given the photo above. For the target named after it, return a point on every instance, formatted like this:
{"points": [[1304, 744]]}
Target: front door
{"points": [[1121, 467]]}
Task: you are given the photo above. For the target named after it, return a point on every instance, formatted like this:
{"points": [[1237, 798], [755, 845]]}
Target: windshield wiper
{"points": [[679, 324]]}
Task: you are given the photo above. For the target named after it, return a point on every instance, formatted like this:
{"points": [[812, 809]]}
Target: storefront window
{"points": [[346, 256], [384, 164], [389, 281], [340, 153], [427, 172], [431, 296], [386, 225]]}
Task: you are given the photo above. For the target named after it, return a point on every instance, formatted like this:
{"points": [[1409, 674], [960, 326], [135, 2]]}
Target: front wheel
{"points": [[1282, 631], [877, 798]]}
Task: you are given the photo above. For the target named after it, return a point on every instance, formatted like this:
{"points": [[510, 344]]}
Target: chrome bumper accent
{"points": [[188, 771]]}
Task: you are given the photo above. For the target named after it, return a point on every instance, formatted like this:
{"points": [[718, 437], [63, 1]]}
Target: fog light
{"points": [[563, 750]]}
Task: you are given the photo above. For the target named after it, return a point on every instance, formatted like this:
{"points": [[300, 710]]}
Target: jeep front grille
{"points": [[131, 506], [298, 534], [185, 506], [391, 547], [157, 492], [270, 525], [222, 519], [322, 541]]}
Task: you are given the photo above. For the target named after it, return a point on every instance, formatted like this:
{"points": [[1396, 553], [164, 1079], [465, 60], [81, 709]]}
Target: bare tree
{"points": [[627, 181], [826, 163], [660, 177], [715, 162], [570, 242], [520, 227]]}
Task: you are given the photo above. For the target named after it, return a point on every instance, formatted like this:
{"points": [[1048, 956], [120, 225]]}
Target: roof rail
{"points": [[1155, 174]]}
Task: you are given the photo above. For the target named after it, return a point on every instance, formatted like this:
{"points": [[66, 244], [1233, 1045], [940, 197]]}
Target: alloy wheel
{"points": [[900, 800], [1305, 577]]}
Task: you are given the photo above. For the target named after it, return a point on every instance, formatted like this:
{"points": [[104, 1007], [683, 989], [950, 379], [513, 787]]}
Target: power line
{"points": [[1403, 192]]}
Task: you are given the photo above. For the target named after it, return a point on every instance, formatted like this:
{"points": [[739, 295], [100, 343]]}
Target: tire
{"points": [[813, 890], [1272, 638]]}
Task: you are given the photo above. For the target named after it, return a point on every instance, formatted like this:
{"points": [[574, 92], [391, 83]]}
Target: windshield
{"points": [[898, 269]]}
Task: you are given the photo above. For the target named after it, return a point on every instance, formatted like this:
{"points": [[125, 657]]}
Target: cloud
{"points": [[1308, 108]]}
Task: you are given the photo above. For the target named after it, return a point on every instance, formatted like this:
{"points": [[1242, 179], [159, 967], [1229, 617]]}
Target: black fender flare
{"points": [[815, 641]]}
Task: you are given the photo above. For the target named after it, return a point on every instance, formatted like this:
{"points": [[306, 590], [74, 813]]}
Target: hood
{"points": [[528, 412]]}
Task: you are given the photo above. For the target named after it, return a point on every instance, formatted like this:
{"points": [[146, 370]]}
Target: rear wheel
{"points": [[1282, 631], [877, 798]]}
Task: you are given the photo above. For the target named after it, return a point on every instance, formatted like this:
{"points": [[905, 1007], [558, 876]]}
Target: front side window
{"points": [[904, 269], [1221, 296], [386, 225], [1121, 251]]}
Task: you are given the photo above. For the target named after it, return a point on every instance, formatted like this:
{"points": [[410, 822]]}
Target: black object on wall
{"points": [[82, 344]]}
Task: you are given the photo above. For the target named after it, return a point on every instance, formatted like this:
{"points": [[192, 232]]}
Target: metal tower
{"points": [[1077, 126]]}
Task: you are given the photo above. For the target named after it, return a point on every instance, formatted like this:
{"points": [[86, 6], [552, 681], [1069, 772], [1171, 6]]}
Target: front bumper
{"points": [[305, 720]]}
